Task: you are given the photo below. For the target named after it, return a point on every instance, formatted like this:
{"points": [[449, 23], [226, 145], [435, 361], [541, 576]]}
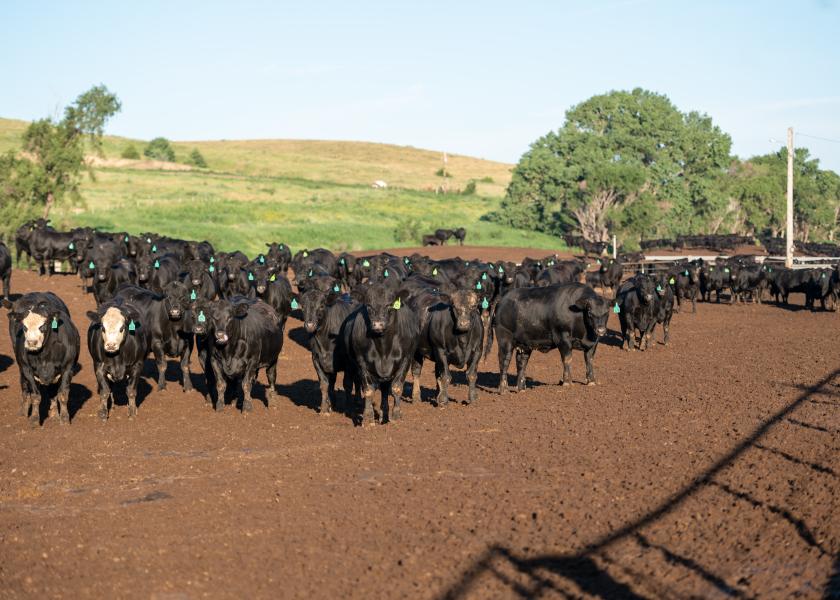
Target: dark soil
{"points": [[705, 469]]}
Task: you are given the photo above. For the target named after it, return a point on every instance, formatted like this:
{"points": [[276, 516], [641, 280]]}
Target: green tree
{"points": [[57, 149], [160, 149], [196, 159], [615, 151], [130, 152]]}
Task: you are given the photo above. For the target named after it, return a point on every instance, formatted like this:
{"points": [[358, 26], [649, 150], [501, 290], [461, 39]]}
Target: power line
{"points": [[816, 137]]}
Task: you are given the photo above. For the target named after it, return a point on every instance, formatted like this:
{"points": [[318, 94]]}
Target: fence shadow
{"points": [[581, 568]]}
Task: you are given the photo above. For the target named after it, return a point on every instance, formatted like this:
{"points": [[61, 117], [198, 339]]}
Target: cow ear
{"points": [[93, 316], [581, 304], [240, 310]]}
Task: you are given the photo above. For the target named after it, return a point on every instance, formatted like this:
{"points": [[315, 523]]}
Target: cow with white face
{"points": [[46, 345], [118, 341]]}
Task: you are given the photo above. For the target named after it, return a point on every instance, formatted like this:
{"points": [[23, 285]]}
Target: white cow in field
{"points": [[379, 185]]}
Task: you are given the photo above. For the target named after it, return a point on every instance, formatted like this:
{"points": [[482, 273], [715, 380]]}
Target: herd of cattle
{"points": [[441, 236], [371, 319]]}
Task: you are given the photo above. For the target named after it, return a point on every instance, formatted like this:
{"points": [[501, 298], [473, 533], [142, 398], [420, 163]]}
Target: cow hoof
{"points": [[247, 406], [325, 412], [161, 386], [591, 382], [442, 403], [132, 412], [103, 414], [369, 423], [220, 407], [64, 418], [188, 388], [33, 423], [503, 390]]}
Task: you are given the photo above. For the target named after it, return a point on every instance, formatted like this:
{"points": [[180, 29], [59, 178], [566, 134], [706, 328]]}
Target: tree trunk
{"points": [[592, 216], [49, 204]]}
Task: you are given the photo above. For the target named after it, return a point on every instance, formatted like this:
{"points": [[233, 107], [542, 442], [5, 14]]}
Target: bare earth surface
{"points": [[705, 469]]}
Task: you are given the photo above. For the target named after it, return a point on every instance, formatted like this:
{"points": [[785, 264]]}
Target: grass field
{"points": [[304, 193]]}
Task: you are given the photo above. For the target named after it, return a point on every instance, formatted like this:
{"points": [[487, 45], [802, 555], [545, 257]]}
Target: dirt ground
{"points": [[705, 469]]}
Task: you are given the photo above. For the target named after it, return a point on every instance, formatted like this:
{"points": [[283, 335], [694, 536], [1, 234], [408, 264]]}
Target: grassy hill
{"points": [[305, 193]]}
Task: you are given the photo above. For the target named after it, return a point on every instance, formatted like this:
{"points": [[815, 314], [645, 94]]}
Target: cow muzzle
{"points": [[196, 282], [377, 326], [111, 347], [261, 289], [310, 326], [221, 338], [601, 331]]}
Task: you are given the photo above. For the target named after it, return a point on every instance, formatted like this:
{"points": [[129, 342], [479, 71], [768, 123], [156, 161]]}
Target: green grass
{"points": [[303, 193]]}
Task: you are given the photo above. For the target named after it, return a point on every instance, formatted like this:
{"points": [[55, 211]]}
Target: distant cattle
{"points": [[5, 269]]}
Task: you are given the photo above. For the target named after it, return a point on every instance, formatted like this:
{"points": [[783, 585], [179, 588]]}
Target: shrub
{"points": [[130, 152], [487, 179], [470, 189], [196, 159], [160, 149], [443, 173], [408, 230]]}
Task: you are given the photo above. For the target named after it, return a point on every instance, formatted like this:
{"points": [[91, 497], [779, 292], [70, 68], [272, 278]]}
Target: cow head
{"points": [[176, 300], [381, 304], [463, 305], [234, 265], [314, 306], [261, 275], [36, 324], [645, 288], [202, 315], [195, 270], [595, 311], [117, 321], [223, 314], [144, 267]]}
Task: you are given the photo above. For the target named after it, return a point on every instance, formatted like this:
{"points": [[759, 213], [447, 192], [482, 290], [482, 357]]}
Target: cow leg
{"points": [[566, 356], [443, 376], [522, 357], [324, 384], [131, 388], [331, 396], [368, 414], [221, 386], [63, 395], [248, 380], [35, 404], [505, 351], [160, 361], [693, 302], [588, 355], [186, 374], [472, 376], [26, 392], [350, 398], [416, 369], [104, 389], [271, 391], [7, 282]]}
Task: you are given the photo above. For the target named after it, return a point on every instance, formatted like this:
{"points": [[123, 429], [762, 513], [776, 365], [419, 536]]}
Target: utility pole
{"points": [[789, 231]]}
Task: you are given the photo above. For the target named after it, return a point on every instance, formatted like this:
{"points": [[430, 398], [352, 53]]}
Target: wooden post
{"points": [[789, 230], [615, 248]]}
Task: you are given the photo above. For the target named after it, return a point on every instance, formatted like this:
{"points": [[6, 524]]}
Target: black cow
{"points": [[686, 276], [431, 240], [246, 338], [233, 279], [611, 271], [381, 338], [788, 281], [118, 341], [155, 272], [5, 269], [165, 318], [443, 235], [460, 235], [46, 346], [273, 289], [664, 309], [107, 278], [541, 318], [635, 303], [750, 280], [324, 315], [451, 333], [714, 278], [198, 278], [280, 255], [820, 288]]}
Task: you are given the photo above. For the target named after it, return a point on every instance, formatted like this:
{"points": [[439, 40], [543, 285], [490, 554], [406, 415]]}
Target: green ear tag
{"points": [[72, 246], [671, 281], [54, 323], [434, 271], [125, 239], [295, 304], [397, 304], [484, 304], [336, 288], [658, 288], [478, 285], [385, 274], [212, 268], [366, 263], [501, 269], [157, 264], [726, 270], [273, 278], [281, 246], [132, 326], [686, 273], [262, 259], [598, 260], [251, 275], [405, 260], [308, 274], [193, 296], [616, 309], [212, 260], [91, 265], [154, 249], [201, 317], [341, 261], [467, 263], [148, 240], [484, 276]]}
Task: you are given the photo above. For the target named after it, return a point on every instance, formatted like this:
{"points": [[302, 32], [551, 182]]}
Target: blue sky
{"points": [[478, 78]]}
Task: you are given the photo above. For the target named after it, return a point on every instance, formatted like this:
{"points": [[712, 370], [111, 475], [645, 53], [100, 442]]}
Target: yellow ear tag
{"points": [[397, 304]]}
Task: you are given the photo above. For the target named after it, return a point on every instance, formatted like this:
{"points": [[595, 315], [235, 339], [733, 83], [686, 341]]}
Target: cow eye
{"points": [[122, 327]]}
